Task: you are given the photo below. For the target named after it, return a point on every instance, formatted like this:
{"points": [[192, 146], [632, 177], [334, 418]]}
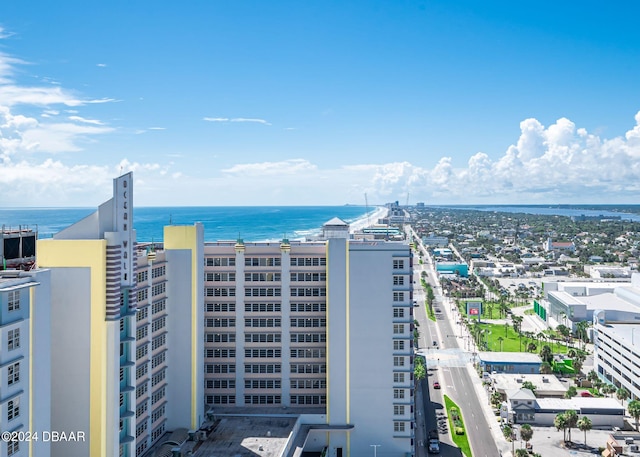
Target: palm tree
{"points": [[584, 424], [526, 433], [622, 394], [634, 410], [545, 368], [560, 423], [572, 420], [500, 340], [545, 354]]}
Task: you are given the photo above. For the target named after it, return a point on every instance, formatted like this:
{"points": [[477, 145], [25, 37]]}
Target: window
{"points": [[13, 339], [158, 341], [157, 396], [141, 428], [308, 337], [398, 345], [398, 296], [220, 261], [308, 399], [158, 271], [142, 332], [308, 322], [308, 307], [398, 410], [13, 373], [159, 306], [262, 307], [142, 314], [13, 447], [14, 300], [158, 324], [262, 322], [142, 351], [13, 409], [308, 261], [158, 359], [262, 399], [141, 390], [159, 289], [398, 361], [262, 337], [262, 277], [143, 294], [220, 291], [398, 280], [157, 414], [309, 292], [262, 292], [219, 322], [158, 377], [142, 370], [157, 433], [262, 261], [398, 264], [398, 312], [141, 409], [143, 276], [398, 378], [398, 393], [398, 426], [398, 328]]}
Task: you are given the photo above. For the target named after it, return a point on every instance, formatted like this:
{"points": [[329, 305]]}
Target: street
{"points": [[450, 366]]}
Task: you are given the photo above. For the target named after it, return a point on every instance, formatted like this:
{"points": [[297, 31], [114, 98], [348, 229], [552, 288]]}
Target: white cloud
{"points": [[236, 119], [243, 119], [101, 65], [157, 128], [286, 167], [86, 121]]}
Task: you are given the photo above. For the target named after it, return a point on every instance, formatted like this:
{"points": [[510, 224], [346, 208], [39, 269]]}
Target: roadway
{"points": [[451, 366]]}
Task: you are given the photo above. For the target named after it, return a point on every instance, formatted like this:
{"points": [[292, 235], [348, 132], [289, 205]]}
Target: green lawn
{"points": [[459, 440], [511, 340]]}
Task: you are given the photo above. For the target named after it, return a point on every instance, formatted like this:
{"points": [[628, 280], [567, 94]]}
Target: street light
{"points": [[375, 449]]}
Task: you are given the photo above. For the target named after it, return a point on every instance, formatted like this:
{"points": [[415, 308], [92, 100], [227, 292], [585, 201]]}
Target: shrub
{"points": [[459, 431]]}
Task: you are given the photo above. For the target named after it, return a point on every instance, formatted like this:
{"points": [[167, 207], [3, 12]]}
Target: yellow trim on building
{"points": [[186, 237], [327, 344], [90, 254], [31, 307]]}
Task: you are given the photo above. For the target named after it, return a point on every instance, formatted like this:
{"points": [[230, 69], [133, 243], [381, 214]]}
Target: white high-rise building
{"points": [[323, 327], [119, 373]]}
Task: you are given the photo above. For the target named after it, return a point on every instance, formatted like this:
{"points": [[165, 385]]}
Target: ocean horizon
{"points": [[250, 223]]}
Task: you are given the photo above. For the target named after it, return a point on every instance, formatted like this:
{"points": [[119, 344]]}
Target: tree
{"points": [[564, 331], [529, 385], [496, 399], [560, 423], [526, 433], [546, 368], [622, 394], [571, 392], [545, 354], [522, 453], [517, 323], [634, 410], [584, 425], [500, 340], [592, 376], [572, 420], [531, 347]]}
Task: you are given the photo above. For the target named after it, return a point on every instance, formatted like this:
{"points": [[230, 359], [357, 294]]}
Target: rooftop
{"points": [[509, 357]]}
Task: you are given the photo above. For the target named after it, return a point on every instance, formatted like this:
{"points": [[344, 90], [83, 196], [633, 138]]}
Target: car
{"points": [[586, 393], [434, 343], [436, 385]]}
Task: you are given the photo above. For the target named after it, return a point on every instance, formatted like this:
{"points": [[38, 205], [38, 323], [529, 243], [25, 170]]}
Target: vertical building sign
{"points": [[123, 201]]}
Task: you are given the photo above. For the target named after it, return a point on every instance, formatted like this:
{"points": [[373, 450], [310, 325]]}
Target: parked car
{"points": [[586, 393], [436, 385]]}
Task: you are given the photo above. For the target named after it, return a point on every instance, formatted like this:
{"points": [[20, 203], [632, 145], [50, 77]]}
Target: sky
{"points": [[224, 102]]}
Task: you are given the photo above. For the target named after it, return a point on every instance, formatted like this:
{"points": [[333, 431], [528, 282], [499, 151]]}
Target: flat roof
{"points": [[545, 383], [509, 357], [626, 332], [609, 301], [579, 403], [247, 435]]}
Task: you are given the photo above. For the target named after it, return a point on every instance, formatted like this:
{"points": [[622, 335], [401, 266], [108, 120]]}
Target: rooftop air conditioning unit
{"points": [[633, 448]]}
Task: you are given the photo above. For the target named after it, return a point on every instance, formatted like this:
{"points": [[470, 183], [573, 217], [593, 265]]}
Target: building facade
{"points": [[25, 378], [322, 327], [118, 369]]}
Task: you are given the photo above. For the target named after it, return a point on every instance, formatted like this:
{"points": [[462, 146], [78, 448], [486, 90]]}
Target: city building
{"points": [[119, 373], [322, 329], [25, 341], [509, 362]]}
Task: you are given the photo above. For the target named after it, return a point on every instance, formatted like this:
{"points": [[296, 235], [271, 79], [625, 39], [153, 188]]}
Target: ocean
{"points": [[251, 223]]}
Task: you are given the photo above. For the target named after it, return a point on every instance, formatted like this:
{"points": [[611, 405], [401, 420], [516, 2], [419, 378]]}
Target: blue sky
{"points": [[289, 102]]}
